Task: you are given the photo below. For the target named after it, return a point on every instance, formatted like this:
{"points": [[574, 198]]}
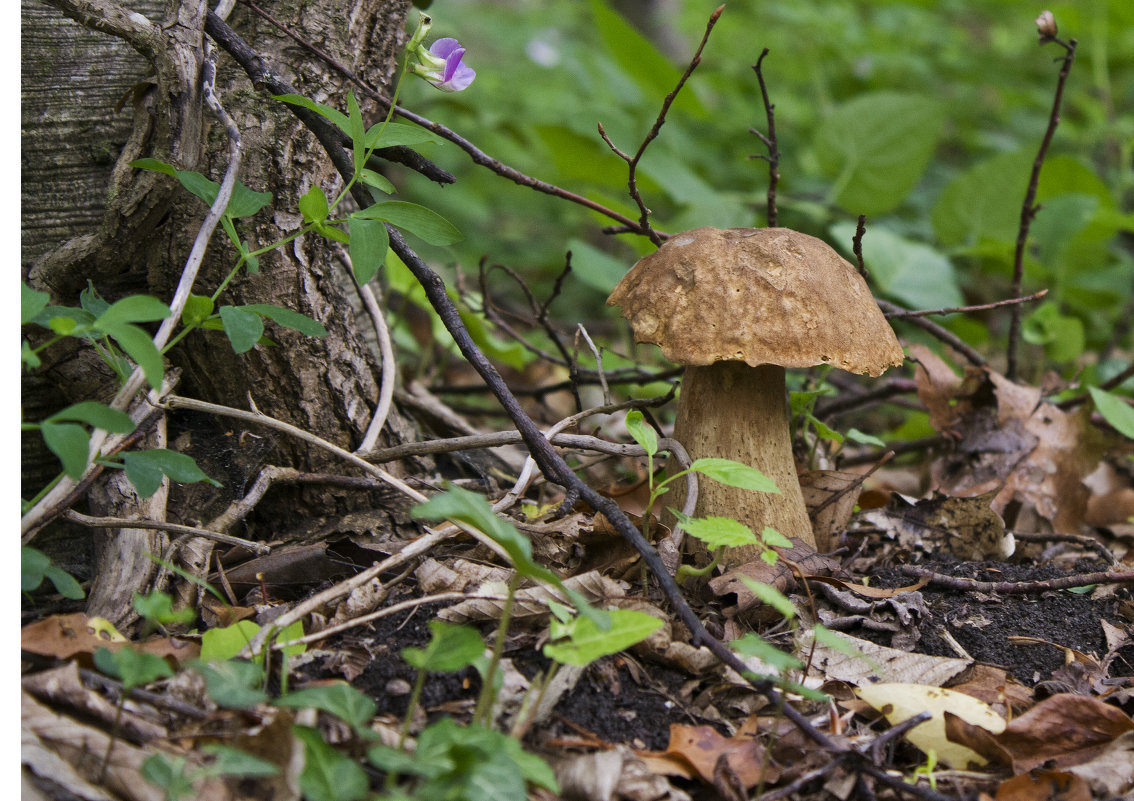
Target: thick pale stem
{"points": [[732, 411]]}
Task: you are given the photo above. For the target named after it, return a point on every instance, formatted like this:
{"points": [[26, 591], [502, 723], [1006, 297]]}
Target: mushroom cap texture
{"points": [[756, 295]]}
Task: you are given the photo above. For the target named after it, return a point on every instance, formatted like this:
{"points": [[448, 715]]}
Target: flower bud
{"points": [[1046, 27]]}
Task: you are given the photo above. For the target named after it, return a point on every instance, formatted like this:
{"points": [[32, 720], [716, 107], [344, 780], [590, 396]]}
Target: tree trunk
{"points": [[88, 215]]}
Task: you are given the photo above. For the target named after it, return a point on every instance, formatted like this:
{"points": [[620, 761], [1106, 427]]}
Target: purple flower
{"points": [[442, 66]]}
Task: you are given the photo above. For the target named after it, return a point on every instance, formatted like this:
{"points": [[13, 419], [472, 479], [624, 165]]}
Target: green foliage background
{"points": [[924, 115]]}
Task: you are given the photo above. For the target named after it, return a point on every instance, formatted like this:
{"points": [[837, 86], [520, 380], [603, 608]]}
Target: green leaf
{"points": [[418, 220], [595, 268], [242, 327], [643, 434], [587, 642], [467, 507], [1063, 337], [154, 166], [328, 775], [831, 639], [337, 698], [876, 147], [157, 607], [368, 244], [288, 319], [224, 643], [91, 301], [451, 648], [229, 761], [145, 469], [169, 774], [313, 205], [198, 308], [71, 443], [854, 435], [392, 134], [907, 271], [139, 346], [716, 532], [735, 474], [638, 58], [64, 583], [244, 201], [771, 596], [774, 539], [983, 202], [35, 566], [339, 119], [356, 131], [377, 181], [31, 303], [1114, 410], [132, 668], [96, 414], [392, 760], [28, 356], [132, 309], [232, 683], [752, 644]]}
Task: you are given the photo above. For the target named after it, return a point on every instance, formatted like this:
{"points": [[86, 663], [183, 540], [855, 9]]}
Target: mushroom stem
{"points": [[732, 411]]}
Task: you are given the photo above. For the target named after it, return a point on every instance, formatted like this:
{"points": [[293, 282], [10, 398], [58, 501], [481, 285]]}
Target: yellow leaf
{"points": [[900, 702]]}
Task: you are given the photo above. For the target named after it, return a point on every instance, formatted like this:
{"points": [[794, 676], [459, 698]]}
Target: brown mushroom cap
{"points": [[757, 295]]}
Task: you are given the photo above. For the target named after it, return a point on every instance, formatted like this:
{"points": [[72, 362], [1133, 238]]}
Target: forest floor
{"points": [[927, 593]]}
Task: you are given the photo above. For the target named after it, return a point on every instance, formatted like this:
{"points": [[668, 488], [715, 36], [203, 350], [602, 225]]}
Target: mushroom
{"points": [[736, 307]]}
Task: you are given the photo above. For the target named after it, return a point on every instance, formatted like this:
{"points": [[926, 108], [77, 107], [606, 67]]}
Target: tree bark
{"points": [[89, 215]]}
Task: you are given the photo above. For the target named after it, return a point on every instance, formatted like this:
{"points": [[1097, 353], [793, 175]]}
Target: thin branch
{"points": [[962, 309], [1020, 587], [157, 525], [1029, 209], [946, 336], [112, 18], [632, 161], [856, 245], [1107, 385], [478, 156], [769, 140]]}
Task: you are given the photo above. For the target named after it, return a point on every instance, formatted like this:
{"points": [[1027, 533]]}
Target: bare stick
{"points": [[632, 161], [1029, 209], [906, 315], [856, 244], [946, 336], [157, 525], [1020, 587], [769, 140]]}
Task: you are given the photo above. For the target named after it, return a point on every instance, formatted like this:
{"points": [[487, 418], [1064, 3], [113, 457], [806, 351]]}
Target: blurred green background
{"points": [[926, 116]]}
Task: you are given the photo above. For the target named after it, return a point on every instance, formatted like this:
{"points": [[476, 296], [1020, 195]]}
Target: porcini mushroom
{"points": [[736, 307]]}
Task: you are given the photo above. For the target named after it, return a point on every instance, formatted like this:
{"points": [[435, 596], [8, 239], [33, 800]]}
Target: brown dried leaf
{"points": [[64, 636], [702, 746], [780, 575], [1066, 729], [830, 496], [1044, 786], [937, 386], [968, 527]]}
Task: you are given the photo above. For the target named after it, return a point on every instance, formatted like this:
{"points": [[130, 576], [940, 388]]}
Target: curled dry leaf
{"points": [[1066, 729], [703, 746], [879, 661]]}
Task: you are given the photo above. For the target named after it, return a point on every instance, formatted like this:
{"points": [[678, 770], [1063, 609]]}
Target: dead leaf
{"points": [[780, 575], [1044, 786], [900, 702], [702, 746], [1111, 773], [830, 496], [64, 636], [879, 661], [966, 527], [866, 591], [937, 386], [1066, 729]]}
